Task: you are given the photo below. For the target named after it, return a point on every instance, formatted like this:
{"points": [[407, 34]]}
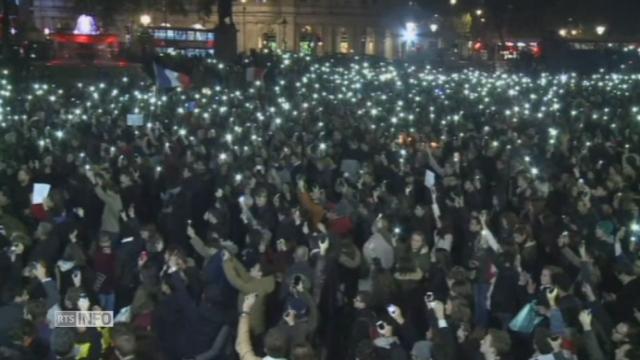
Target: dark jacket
{"points": [[175, 319], [391, 350]]}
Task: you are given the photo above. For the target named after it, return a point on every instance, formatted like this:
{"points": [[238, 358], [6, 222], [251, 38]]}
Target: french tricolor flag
{"points": [[168, 79]]}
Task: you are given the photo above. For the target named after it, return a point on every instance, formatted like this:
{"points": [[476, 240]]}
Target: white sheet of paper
{"points": [[135, 119], [40, 192], [429, 178]]}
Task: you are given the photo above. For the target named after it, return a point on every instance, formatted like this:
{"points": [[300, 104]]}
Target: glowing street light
{"points": [[453, 2], [601, 29], [479, 12], [410, 32], [563, 32], [145, 19], [433, 27]]}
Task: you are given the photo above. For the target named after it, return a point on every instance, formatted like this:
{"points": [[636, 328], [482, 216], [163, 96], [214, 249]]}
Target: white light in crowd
{"points": [[453, 2], [635, 227], [47, 31], [574, 32], [479, 12], [198, 26], [433, 27], [145, 19], [410, 32], [223, 156], [534, 171], [601, 29]]}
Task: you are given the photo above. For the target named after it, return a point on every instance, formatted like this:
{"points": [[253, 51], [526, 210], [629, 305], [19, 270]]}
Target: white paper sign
{"points": [[135, 119], [429, 179], [40, 192]]}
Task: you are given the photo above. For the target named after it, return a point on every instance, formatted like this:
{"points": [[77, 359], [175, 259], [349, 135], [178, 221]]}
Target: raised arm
{"points": [[434, 164], [594, 351], [198, 245], [320, 273], [50, 288], [488, 235], [235, 274], [315, 211], [243, 341]]}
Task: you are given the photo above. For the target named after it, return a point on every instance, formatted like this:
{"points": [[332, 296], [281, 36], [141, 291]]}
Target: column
{"points": [[329, 39], [389, 45], [379, 42], [291, 35], [354, 39]]}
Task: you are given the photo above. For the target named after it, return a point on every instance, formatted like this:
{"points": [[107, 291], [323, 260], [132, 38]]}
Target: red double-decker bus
{"points": [[186, 41]]}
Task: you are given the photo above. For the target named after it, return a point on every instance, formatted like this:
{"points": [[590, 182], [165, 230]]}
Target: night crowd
{"points": [[345, 210]]}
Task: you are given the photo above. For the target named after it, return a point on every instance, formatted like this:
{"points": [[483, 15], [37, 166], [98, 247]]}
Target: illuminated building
{"points": [[370, 27]]}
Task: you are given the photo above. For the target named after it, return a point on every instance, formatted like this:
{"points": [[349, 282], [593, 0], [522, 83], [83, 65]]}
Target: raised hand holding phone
{"points": [[395, 312]]}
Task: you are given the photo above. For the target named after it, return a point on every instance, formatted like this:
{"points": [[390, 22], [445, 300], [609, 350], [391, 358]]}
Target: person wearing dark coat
{"points": [[175, 318]]}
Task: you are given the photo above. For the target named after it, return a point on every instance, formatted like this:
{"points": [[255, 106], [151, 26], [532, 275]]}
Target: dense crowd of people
{"points": [[348, 209]]}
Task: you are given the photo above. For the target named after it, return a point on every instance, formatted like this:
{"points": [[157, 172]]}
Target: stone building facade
{"points": [[371, 27], [325, 26]]}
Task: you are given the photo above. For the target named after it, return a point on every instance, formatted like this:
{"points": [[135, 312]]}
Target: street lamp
{"points": [[479, 12], [601, 29], [410, 32], [453, 2], [145, 19], [433, 27], [562, 32]]}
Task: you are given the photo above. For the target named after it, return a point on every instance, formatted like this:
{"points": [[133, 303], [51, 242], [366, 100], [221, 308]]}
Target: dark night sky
{"points": [[620, 16]]}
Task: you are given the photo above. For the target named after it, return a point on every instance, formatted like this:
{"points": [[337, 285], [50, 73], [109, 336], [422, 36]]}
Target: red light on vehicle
{"points": [[537, 51]]}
